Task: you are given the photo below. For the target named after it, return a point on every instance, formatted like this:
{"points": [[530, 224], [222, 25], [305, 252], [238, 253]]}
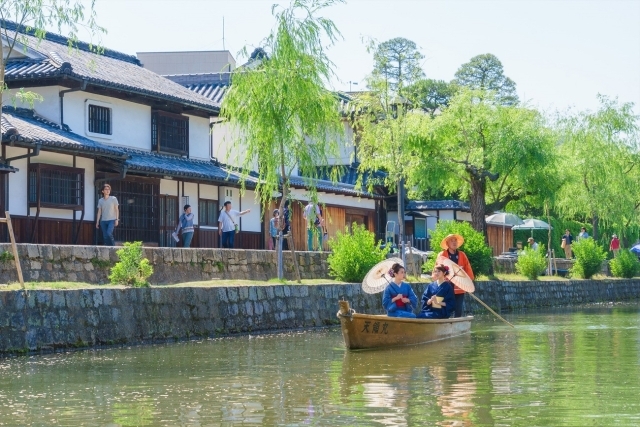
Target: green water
{"points": [[560, 368]]}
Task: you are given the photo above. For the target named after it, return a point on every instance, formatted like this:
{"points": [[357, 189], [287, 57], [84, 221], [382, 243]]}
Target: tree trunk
{"points": [[478, 206], [594, 223]]}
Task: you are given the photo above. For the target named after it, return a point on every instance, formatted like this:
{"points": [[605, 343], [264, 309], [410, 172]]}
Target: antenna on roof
{"points": [[223, 48]]}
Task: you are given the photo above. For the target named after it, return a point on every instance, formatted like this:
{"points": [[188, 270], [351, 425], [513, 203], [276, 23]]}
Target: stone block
{"points": [[32, 251]]}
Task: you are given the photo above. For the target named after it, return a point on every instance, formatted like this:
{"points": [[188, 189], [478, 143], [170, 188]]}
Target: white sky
{"points": [[559, 53]]}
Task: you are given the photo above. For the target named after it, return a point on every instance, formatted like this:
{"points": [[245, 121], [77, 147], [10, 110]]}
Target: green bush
{"points": [[532, 263], [353, 254], [625, 265], [589, 256], [132, 269], [479, 254]]}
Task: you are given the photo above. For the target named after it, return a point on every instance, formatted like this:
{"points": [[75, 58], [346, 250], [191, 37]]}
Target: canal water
{"points": [[576, 367]]}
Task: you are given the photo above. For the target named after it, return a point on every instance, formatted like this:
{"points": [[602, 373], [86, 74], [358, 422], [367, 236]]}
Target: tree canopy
{"points": [[397, 63], [485, 72], [430, 95]]}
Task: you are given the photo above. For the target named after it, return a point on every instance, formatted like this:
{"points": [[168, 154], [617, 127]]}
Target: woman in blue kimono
{"points": [[440, 287], [398, 298]]}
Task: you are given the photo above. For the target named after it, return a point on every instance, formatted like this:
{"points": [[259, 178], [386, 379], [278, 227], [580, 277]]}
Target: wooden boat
{"points": [[362, 331]]}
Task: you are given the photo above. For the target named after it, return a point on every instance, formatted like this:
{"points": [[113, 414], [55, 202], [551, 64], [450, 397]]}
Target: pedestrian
{"points": [[532, 244], [108, 216], [185, 222], [450, 244], [583, 234], [567, 240], [614, 246], [274, 227], [313, 216], [227, 225], [286, 230]]}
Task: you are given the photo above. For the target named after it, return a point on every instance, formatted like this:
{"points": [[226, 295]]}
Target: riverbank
{"points": [[46, 320]]}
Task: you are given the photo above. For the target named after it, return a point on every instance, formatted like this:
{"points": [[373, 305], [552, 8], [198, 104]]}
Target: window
{"points": [[169, 133], [56, 186], [208, 212], [99, 119]]}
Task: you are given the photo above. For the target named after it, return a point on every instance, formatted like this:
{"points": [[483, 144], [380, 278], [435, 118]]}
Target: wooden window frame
{"points": [[202, 214], [87, 123], [35, 195], [156, 133]]}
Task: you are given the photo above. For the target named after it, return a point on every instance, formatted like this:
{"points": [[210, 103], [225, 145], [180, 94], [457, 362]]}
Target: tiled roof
{"points": [[330, 187], [4, 168], [211, 85], [110, 69], [161, 164], [23, 126], [433, 205]]}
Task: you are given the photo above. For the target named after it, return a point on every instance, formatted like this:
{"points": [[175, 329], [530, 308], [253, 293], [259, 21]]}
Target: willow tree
{"points": [[493, 154], [37, 16], [601, 163], [278, 108]]}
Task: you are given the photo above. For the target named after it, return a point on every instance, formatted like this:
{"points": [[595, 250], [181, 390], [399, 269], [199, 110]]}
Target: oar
{"points": [[489, 308]]}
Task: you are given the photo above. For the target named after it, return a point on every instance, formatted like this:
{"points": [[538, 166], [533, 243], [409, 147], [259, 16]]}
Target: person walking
{"points": [[583, 234], [274, 226], [450, 244], [567, 240], [227, 225], [108, 216], [185, 223], [313, 216], [614, 246]]}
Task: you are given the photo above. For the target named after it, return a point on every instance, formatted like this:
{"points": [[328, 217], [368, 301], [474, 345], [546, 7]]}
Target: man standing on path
{"points": [[450, 244], [227, 225], [313, 216], [108, 215], [614, 246]]}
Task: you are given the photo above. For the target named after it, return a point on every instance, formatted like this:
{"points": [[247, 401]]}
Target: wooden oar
{"points": [[489, 308]]}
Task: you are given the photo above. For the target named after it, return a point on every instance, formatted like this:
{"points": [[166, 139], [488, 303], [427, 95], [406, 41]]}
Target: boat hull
{"points": [[364, 331]]}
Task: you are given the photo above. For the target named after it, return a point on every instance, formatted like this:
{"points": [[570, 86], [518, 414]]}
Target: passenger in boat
{"points": [[450, 244], [440, 287], [398, 298]]}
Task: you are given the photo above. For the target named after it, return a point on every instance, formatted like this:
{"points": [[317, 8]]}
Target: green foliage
{"points": [[532, 263], [397, 62], [6, 256], [589, 256], [132, 269], [485, 72], [354, 254], [430, 95], [100, 263], [625, 265], [474, 247]]}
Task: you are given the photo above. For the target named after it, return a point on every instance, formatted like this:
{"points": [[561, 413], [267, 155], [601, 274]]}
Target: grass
{"points": [[30, 286]]}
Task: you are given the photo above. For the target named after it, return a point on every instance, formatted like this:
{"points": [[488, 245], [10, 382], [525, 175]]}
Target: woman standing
{"points": [[274, 225], [398, 298], [450, 244], [441, 287], [185, 222]]}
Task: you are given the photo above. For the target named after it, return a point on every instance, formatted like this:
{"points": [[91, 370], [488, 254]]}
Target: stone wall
{"points": [[50, 319], [91, 264]]}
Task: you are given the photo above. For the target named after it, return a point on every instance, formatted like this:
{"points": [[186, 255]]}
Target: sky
{"points": [[560, 53]]}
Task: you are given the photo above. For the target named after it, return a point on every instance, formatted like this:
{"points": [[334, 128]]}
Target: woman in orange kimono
{"points": [[450, 244]]}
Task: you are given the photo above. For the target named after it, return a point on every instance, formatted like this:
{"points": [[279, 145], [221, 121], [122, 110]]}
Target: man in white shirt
{"points": [[228, 224]]}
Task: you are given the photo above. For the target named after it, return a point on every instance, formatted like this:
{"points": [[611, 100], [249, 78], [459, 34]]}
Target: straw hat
{"points": [[530, 239], [458, 237]]}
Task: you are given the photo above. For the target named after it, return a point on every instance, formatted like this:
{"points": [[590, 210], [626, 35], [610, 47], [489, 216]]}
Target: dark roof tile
{"points": [[429, 205]]}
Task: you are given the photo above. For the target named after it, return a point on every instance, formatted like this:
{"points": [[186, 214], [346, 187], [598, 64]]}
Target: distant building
{"points": [[188, 62]]}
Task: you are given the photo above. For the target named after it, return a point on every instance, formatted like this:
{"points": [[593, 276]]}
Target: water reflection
{"points": [[557, 368]]}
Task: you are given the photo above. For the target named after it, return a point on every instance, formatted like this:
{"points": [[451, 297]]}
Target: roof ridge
{"points": [[81, 45], [31, 114]]}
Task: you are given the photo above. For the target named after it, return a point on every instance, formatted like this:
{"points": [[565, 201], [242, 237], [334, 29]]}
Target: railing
{"points": [[421, 244]]}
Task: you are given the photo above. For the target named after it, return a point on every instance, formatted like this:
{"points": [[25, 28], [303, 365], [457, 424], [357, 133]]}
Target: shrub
{"points": [[132, 269], [589, 257], [625, 265], [353, 254], [479, 254], [532, 263]]}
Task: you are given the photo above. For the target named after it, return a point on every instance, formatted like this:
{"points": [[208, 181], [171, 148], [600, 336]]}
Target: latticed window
{"points": [[56, 186], [99, 119], [208, 212], [169, 133]]}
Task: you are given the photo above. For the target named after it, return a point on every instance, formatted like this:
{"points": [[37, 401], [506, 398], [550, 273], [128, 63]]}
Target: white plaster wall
{"points": [[223, 140], [199, 138], [445, 215], [190, 190], [49, 108], [169, 187], [208, 192], [253, 220], [463, 216], [18, 184], [345, 146], [336, 199]]}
